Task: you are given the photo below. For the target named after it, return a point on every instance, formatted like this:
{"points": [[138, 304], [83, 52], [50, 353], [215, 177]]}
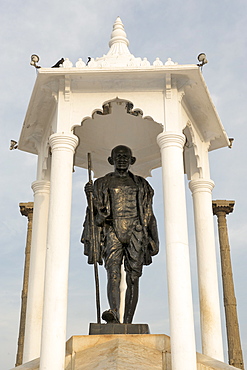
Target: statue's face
{"points": [[121, 157]]}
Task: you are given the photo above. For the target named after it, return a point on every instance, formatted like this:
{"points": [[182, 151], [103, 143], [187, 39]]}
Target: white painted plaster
{"points": [[35, 296], [178, 266], [57, 257], [99, 134], [207, 270]]}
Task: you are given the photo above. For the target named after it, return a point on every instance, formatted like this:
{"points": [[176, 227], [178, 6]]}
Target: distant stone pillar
{"points": [[26, 209], [57, 254], [183, 349], [221, 208], [211, 332]]}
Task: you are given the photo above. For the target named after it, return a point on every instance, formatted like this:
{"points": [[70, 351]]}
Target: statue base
{"points": [[143, 352], [115, 328]]}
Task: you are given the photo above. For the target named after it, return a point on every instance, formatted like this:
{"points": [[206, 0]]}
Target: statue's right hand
{"points": [[88, 188]]}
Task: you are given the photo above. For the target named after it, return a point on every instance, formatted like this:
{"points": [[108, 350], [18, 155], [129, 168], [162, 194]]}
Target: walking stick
{"points": [[91, 218]]}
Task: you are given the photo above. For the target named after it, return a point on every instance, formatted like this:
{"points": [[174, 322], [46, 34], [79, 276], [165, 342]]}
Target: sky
{"points": [[77, 29]]}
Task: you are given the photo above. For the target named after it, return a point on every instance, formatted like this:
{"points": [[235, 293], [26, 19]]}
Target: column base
{"points": [[101, 329]]}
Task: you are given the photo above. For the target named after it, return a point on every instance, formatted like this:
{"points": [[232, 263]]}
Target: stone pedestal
{"points": [[140, 352], [121, 352], [99, 329]]}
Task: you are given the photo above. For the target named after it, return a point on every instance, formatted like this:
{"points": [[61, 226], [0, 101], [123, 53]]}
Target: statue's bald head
{"points": [[121, 150]]}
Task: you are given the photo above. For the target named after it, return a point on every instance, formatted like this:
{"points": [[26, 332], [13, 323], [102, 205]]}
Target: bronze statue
{"points": [[125, 227]]}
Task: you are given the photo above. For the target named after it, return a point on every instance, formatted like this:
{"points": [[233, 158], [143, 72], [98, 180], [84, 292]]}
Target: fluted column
{"points": [[33, 326], [183, 349], [221, 208], [57, 256], [207, 269], [26, 209]]}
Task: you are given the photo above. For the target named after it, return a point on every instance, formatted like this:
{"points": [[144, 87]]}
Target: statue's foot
{"points": [[110, 316]]}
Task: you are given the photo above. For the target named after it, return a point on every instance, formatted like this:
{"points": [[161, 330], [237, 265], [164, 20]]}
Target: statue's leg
{"points": [[113, 259], [113, 287], [131, 297], [133, 266]]}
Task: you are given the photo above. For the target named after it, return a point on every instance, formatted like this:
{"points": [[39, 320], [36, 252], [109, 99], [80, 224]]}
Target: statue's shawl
{"points": [[102, 210]]}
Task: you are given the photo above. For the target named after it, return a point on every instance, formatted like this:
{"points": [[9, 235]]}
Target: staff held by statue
{"points": [[93, 239]]}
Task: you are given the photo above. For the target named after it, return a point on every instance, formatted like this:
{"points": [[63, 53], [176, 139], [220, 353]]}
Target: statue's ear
{"points": [[133, 159], [110, 160]]}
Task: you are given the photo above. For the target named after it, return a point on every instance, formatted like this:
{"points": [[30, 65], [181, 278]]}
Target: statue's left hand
{"points": [[153, 248], [88, 188]]}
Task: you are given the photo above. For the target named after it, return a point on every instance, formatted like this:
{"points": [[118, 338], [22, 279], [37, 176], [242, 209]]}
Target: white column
{"points": [[57, 255], [183, 349], [33, 327], [207, 269]]}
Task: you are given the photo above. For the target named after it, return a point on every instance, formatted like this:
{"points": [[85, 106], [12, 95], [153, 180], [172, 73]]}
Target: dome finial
{"points": [[118, 54], [118, 34]]}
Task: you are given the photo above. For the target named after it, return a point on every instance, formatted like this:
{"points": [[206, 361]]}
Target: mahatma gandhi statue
{"points": [[125, 229]]}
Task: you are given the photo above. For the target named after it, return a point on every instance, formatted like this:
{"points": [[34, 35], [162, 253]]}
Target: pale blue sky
{"points": [[177, 29]]}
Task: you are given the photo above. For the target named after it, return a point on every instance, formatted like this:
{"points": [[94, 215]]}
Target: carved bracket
{"points": [[195, 154], [168, 85], [67, 88]]}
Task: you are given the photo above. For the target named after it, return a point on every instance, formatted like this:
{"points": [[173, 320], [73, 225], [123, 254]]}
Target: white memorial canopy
{"points": [[118, 77], [164, 113]]}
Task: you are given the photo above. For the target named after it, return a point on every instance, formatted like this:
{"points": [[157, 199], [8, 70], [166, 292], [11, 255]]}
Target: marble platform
{"points": [[121, 352]]}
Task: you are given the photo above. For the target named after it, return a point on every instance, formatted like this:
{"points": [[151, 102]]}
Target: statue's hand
{"points": [[153, 248], [88, 188]]}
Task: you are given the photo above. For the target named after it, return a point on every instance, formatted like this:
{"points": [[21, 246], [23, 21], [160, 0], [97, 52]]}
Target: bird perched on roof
{"points": [[58, 64], [13, 145]]}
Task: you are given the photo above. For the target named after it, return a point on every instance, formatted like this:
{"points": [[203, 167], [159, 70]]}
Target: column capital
{"points": [[169, 138], [59, 141], [26, 208], [225, 206], [41, 186], [201, 185]]}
